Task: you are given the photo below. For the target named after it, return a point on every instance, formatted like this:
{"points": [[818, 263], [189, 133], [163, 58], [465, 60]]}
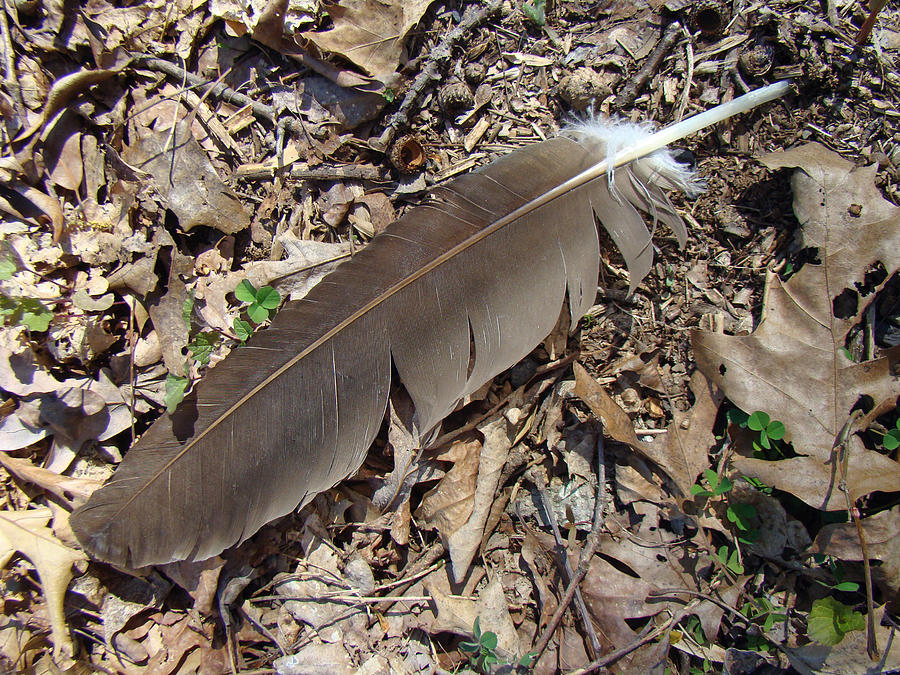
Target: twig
{"points": [[587, 553], [350, 599], [438, 56], [614, 656], [320, 172], [862, 36], [11, 77], [844, 457], [573, 590], [688, 78], [221, 91], [636, 83]]}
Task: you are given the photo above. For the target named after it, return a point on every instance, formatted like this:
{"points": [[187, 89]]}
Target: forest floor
{"points": [[699, 477]]}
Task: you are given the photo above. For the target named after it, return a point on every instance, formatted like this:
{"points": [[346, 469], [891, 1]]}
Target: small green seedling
{"points": [[536, 12], [892, 437], [482, 652], [28, 312], [203, 345], [717, 486], [7, 269], [175, 388], [769, 430], [763, 612], [830, 620], [742, 516], [261, 300], [836, 567], [731, 559], [242, 329]]}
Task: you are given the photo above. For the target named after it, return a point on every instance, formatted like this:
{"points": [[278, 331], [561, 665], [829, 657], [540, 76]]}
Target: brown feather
{"points": [[483, 266]]}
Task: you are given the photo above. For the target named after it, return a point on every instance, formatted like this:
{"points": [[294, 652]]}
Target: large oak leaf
{"points": [[793, 366]]}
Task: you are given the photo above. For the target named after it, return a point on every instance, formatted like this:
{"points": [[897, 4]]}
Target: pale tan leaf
{"points": [[792, 367], [73, 491], [27, 532], [465, 541], [449, 504], [457, 615], [370, 33]]}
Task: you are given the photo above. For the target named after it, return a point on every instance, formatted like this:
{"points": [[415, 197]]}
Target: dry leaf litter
{"points": [[157, 155]]}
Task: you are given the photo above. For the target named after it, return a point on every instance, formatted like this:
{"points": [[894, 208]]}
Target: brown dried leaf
{"points": [[449, 504], [682, 451], [27, 532], [370, 33], [64, 90], [62, 152], [185, 176], [882, 533], [792, 366], [457, 615]]}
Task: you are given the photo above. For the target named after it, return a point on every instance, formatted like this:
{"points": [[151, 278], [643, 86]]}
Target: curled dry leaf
{"points": [[793, 366], [64, 90], [73, 491], [62, 152], [461, 503], [27, 532]]}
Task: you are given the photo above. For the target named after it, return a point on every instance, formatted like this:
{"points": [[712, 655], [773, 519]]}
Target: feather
{"points": [[457, 290]]}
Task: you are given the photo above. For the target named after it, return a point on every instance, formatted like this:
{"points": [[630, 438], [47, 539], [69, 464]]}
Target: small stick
{"points": [[573, 590], [688, 78], [614, 656], [321, 172], [862, 36], [844, 455], [220, 91], [587, 553], [651, 65], [11, 77], [473, 16]]}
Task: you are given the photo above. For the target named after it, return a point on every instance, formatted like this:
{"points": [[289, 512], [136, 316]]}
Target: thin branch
{"points": [[844, 456], [438, 56], [222, 92], [627, 96]]}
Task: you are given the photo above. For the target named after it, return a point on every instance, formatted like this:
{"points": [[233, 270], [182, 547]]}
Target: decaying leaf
{"points": [[185, 176], [682, 451], [793, 366], [461, 503], [27, 532], [882, 533], [370, 33], [457, 615]]}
